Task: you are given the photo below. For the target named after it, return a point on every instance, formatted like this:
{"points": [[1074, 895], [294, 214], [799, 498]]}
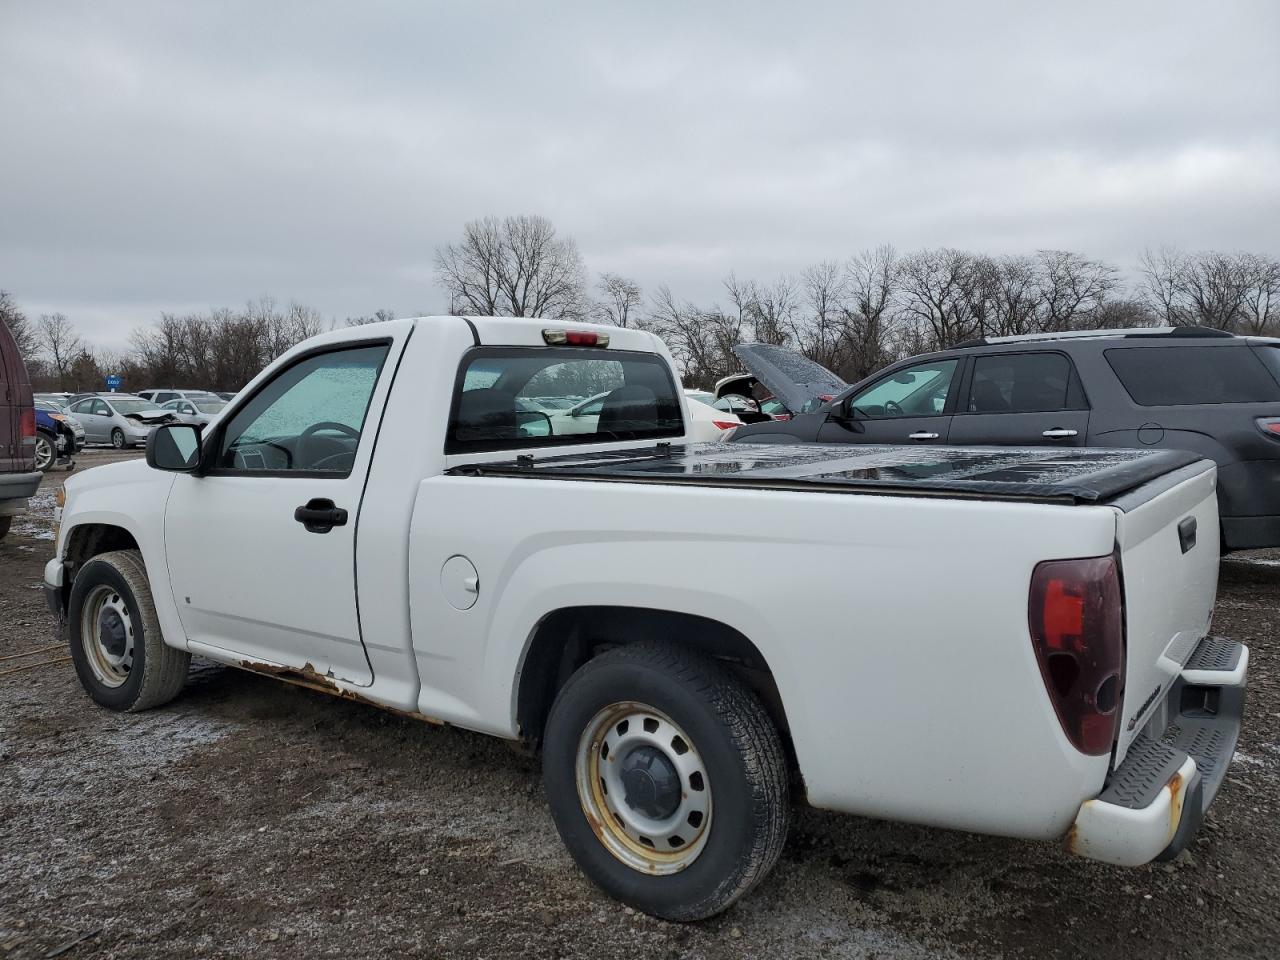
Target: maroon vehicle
{"points": [[18, 475]]}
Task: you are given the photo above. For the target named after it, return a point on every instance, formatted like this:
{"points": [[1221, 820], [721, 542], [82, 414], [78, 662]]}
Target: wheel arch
{"points": [[566, 638], [85, 541]]}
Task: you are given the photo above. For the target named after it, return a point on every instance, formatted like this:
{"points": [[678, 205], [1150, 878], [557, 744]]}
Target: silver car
{"points": [[200, 409], [119, 419]]}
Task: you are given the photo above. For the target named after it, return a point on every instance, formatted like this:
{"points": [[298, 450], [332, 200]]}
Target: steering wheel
{"points": [[891, 406], [305, 437]]}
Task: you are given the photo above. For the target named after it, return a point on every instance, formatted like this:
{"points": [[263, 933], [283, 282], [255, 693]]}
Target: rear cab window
{"points": [[1183, 376], [511, 398]]}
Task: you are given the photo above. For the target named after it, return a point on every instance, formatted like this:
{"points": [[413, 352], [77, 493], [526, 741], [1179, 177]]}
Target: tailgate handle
{"points": [[1187, 533]]}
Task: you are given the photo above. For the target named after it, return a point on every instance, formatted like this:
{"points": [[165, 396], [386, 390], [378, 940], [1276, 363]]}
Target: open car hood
{"points": [[794, 379]]}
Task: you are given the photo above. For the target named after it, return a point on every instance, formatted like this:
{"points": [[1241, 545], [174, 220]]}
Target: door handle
{"points": [[1059, 433], [922, 435], [320, 515]]}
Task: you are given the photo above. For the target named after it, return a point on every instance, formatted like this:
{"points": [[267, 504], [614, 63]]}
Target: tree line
{"points": [[852, 315]]}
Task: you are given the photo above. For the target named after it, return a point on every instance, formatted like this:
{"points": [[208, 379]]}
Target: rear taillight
{"points": [[1270, 426], [725, 424], [29, 426], [1077, 630]]}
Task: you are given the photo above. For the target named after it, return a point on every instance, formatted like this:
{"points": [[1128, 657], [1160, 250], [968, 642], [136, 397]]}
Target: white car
{"points": [[1000, 640], [708, 422], [201, 409]]}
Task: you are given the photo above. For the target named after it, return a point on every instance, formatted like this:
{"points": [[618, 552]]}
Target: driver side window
{"points": [[308, 419], [919, 391]]}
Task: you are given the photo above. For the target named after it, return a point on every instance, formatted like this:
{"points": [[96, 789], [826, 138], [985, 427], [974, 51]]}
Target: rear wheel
{"points": [[46, 451], [4, 526], [666, 779], [116, 645], [117, 438]]}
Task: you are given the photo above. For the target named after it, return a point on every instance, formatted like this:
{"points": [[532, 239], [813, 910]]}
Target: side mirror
{"points": [[175, 447], [533, 424]]}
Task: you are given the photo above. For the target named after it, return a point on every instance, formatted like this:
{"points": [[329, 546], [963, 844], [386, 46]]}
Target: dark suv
{"points": [[18, 476], [1187, 388]]}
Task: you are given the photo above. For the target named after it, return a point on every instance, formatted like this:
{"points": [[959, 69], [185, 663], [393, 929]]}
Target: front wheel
{"points": [[45, 451], [117, 438], [119, 654], [667, 780]]}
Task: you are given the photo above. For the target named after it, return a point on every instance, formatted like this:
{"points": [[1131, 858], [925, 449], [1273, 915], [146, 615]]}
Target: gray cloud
{"points": [[167, 157]]}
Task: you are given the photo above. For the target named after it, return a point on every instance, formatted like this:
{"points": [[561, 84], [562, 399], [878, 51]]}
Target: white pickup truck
{"points": [[1007, 641]]}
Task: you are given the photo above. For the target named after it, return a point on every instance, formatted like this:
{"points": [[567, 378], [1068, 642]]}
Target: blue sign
{"points": [[113, 383]]}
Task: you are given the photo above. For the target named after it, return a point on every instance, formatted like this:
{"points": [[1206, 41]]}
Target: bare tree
{"points": [[1161, 272], [1015, 297], [1227, 291], [378, 317], [824, 292], [1261, 308], [515, 267], [1214, 286], [620, 300], [61, 343], [24, 332], [1071, 286], [869, 321], [936, 295], [695, 339]]}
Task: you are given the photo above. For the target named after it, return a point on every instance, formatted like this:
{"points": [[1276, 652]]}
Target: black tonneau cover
{"points": [[1077, 475]]}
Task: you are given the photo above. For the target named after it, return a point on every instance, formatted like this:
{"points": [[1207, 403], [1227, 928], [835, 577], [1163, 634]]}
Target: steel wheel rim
{"points": [[625, 745], [107, 635], [44, 453]]}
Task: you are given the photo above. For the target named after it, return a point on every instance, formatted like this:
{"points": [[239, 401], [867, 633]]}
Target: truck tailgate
{"points": [[1168, 545]]}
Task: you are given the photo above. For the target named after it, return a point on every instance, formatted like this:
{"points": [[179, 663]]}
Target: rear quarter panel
{"points": [[896, 628]]}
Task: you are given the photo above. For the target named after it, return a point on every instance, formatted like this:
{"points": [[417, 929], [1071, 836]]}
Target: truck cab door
{"points": [[909, 405], [261, 546], [1022, 399]]}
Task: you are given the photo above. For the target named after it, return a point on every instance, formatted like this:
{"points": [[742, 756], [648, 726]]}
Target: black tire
{"points": [[738, 744], [117, 439], [46, 449], [5, 523], [158, 671]]}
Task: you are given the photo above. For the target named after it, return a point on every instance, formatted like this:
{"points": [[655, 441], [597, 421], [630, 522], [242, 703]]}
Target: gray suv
{"points": [[1187, 388]]}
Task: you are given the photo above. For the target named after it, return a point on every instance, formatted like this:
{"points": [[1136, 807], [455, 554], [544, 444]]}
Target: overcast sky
{"points": [[176, 156]]}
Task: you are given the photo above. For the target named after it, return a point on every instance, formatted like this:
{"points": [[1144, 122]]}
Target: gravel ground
{"points": [[251, 818]]}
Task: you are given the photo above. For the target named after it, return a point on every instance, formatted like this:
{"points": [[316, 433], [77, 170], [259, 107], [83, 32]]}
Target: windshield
{"points": [[131, 405], [48, 407]]}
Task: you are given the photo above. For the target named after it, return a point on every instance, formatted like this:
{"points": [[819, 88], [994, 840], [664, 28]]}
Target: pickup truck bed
{"points": [[1028, 474]]}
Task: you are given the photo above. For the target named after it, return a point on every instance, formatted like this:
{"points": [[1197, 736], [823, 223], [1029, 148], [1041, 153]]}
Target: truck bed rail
{"points": [[1037, 474]]}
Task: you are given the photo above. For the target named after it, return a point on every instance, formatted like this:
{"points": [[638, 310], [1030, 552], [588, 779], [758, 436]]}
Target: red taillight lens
{"points": [[725, 424], [29, 424], [1269, 425], [1077, 630]]}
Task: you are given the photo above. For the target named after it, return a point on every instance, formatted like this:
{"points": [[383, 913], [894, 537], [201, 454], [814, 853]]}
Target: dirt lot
{"points": [[251, 818]]}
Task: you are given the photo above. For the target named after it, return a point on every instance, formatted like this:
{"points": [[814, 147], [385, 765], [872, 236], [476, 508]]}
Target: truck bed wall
{"points": [[896, 628]]}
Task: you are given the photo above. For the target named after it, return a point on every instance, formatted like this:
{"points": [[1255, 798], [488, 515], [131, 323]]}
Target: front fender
{"points": [[132, 497]]}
